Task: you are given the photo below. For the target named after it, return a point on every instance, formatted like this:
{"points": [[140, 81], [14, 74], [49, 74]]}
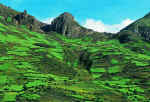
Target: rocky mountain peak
{"points": [[25, 12], [65, 19], [63, 24], [66, 15], [66, 25]]}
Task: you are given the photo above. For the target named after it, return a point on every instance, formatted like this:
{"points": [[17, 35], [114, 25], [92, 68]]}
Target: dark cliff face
{"points": [[65, 25]]}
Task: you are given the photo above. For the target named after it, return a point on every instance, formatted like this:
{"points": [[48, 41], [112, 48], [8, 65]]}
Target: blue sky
{"points": [[94, 13]]}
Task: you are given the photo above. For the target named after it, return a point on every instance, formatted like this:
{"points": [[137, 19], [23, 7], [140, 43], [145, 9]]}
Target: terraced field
{"points": [[38, 67]]}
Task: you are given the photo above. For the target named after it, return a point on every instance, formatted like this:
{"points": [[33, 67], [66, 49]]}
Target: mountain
{"points": [[7, 11], [66, 25], [140, 28], [31, 22], [38, 66], [19, 18]]}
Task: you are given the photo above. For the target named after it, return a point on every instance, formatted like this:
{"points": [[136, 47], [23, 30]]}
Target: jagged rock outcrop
{"points": [[66, 25], [20, 18], [31, 22]]}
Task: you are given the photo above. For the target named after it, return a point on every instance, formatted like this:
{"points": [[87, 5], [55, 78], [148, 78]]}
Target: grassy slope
{"points": [[40, 68]]}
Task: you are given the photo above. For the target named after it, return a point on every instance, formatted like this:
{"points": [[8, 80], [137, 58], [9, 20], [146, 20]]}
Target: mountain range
{"points": [[65, 62]]}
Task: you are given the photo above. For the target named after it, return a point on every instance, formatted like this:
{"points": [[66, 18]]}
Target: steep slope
{"points": [[10, 16], [7, 11], [38, 67], [41, 68], [31, 22], [26, 63], [140, 27]]}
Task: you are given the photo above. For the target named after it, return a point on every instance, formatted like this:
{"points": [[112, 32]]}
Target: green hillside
{"points": [[73, 65], [38, 67], [141, 27]]}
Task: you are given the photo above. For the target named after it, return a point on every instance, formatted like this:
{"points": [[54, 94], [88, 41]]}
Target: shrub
{"points": [[9, 19]]}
